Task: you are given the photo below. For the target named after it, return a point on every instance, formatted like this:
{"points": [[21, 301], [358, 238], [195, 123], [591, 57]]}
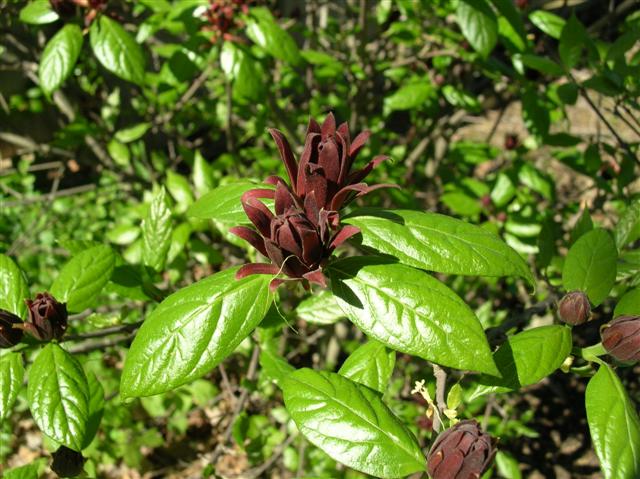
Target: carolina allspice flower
{"points": [[224, 16], [67, 462], [621, 338], [304, 232], [47, 318], [9, 335], [574, 308], [461, 452]]}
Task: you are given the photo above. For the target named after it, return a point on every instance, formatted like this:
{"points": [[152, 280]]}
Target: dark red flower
{"points": [[9, 335], [67, 462], [621, 338], [224, 16], [574, 308], [463, 451], [47, 318]]}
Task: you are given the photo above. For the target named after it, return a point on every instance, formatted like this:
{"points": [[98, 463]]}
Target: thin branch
{"points": [[100, 333], [441, 386]]}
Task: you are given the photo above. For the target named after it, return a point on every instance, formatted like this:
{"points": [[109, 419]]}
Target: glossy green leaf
{"points": [[351, 424], [180, 190], [542, 64], [614, 425], [202, 174], [478, 24], [408, 310], [132, 133], [263, 29], [11, 376], [59, 57], [156, 231], [58, 395], [507, 466], [116, 50], [572, 42], [628, 227], [320, 308], [273, 366], [223, 204], [192, 331], [83, 277], [410, 96], [38, 12], [13, 287], [548, 22], [526, 358], [96, 408], [510, 24], [30, 471], [179, 239], [371, 364], [243, 70], [590, 265], [629, 304], [438, 243]]}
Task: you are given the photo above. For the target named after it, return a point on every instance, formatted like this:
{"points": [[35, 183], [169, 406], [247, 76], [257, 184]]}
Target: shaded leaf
{"points": [[59, 57]]}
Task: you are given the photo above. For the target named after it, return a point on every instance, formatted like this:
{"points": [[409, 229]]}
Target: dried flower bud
{"points": [[574, 308], [511, 141], [461, 452], [47, 318], [67, 462], [9, 335], [621, 338]]}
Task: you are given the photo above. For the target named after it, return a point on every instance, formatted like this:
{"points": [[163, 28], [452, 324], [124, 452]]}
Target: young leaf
{"points": [[59, 56], [83, 277], [590, 265], [192, 331], [156, 231], [11, 376], [351, 424], [116, 50], [265, 31], [628, 227], [629, 304], [614, 425], [13, 287], [526, 358], [320, 308], [180, 189], [478, 24], [58, 395], [38, 12], [438, 243], [202, 174], [371, 364], [548, 22], [223, 204], [408, 310]]}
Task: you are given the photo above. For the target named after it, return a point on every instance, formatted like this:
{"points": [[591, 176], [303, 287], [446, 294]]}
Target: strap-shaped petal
{"points": [[259, 215], [306, 158], [328, 128], [286, 155], [251, 237], [360, 175], [256, 268], [343, 235], [316, 277]]}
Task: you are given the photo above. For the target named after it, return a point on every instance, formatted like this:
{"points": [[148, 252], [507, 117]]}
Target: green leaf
{"points": [[572, 42], [11, 376], [180, 189], [478, 24], [38, 12], [96, 408], [116, 50], [568, 93], [590, 265], [223, 204], [83, 277], [507, 466], [30, 471], [408, 310], [351, 424], [13, 287], [202, 174], [265, 31], [58, 395], [582, 226], [192, 331], [628, 227], [320, 308], [273, 366], [438, 243], [132, 133], [614, 425], [542, 64], [526, 358], [548, 22], [371, 364], [245, 72], [59, 56], [410, 96], [629, 304], [156, 231]]}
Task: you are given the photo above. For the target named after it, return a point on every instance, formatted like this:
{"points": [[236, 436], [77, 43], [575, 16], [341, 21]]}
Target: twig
{"points": [[100, 333], [48, 197], [441, 385], [521, 318], [258, 471], [93, 346]]}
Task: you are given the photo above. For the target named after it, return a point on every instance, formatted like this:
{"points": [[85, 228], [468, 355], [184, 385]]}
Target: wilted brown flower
{"points": [[67, 462], [621, 338], [461, 452], [9, 335], [47, 318], [574, 308]]}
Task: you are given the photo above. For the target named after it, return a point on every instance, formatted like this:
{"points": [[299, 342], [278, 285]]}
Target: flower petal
{"points": [[284, 198], [306, 158], [343, 235], [259, 215], [257, 268], [316, 277], [343, 131], [360, 175], [328, 128], [286, 154], [251, 237], [358, 142], [329, 159], [313, 127]]}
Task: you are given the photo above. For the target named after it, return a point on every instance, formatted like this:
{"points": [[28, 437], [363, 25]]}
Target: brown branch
{"points": [[441, 385], [100, 333]]}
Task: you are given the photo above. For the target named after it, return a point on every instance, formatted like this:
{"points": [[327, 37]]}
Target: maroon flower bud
{"points": [[9, 335], [47, 318], [511, 141], [621, 338], [64, 8], [461, 452], [67, 462], [574, 308]]}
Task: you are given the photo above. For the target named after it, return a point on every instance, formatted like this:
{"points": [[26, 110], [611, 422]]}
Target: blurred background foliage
{"points": [[522, 116]]}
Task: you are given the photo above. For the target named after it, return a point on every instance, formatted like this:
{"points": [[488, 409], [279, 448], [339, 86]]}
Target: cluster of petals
{"points": [[305, 229]]}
